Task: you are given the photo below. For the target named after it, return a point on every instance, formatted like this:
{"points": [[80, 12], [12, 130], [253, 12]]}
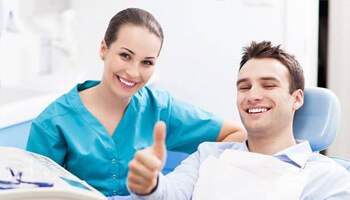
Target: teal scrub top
{"points": [[70, 135]]}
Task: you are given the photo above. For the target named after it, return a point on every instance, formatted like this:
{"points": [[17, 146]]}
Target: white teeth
{"points": [[257, 110], [126, 82]]}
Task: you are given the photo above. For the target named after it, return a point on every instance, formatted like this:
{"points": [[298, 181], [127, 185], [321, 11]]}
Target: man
{"points": [[271, 164]]}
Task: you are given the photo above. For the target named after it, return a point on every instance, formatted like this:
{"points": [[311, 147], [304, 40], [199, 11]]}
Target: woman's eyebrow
{"points": [[133, 53]]}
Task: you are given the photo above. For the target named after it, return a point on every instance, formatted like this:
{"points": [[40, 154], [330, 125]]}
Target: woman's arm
{"points": [[46, 143], [231, 132]]}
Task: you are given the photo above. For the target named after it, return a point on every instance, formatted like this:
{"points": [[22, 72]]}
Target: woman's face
{"points": [[129, 61]]}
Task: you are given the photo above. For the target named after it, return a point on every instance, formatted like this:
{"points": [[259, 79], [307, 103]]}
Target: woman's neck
{"points": [[103, 96]]}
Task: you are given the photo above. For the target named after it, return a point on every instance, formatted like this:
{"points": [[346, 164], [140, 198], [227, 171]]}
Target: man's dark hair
{"points": [[265, 49]]}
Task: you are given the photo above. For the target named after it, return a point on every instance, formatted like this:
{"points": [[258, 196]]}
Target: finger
{"points": [[159, 140], [140, 169], [142, 180], [147, 158]]}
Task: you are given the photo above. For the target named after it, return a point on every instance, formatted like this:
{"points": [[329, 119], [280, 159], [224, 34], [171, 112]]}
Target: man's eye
{"points": [[244, 88], [124, 55], [269, 86]]}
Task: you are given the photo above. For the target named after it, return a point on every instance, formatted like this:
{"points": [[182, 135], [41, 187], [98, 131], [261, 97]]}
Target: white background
{"points": [[200, 56]]}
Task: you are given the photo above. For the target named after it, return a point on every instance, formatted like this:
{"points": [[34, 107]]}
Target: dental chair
{"points": [[317, 121]]}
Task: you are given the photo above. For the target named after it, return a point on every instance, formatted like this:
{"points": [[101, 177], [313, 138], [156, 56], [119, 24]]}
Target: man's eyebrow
{"points": [[265, 78], [241, 81], [269, 78]]}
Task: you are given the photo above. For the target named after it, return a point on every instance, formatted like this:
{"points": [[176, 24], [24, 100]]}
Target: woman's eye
{"points": [[147, 62], [124, 55]]}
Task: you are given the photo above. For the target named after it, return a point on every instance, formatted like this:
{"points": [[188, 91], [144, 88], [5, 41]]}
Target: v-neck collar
{"points": [[87, 116], [82, 111]]}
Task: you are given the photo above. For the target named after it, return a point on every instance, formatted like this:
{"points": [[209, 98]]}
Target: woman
{"points": [[94, 130]]}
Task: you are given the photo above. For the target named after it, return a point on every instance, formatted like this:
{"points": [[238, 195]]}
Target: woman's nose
{"points": [[132, 70]]}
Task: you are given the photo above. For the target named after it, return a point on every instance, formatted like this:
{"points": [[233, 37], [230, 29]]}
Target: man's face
{"points": [[265, 104]]}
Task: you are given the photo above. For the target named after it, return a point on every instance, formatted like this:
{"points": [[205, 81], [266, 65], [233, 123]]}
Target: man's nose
{"points": [[255, 94]]}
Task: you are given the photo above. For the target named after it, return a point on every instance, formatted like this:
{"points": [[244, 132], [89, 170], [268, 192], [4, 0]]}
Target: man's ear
{"points": [[298, 99], [103, 50]]}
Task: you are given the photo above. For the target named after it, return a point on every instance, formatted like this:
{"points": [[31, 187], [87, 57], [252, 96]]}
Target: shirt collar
{"points": [[243, 146], [297, 154]]}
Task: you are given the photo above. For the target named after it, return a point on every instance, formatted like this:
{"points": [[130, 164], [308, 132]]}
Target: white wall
{"points": [[339, 70], [202, 47]]}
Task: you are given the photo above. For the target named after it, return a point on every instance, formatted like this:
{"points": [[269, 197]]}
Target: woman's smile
{"points": [[126, 83]]}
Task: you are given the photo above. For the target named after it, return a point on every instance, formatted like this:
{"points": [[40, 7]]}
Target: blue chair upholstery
{"points": [[174, 158], [343, 162], [317, 121], [15, 135]]}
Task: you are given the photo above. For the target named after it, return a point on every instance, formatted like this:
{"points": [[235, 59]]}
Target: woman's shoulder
{"points": [[147, 96], [63, 105]]}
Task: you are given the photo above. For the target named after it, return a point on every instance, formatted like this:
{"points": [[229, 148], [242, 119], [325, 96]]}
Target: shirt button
{"points": [[115, 192], [113, 160], [114, 176]]}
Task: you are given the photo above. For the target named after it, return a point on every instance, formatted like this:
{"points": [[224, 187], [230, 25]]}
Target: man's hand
{"points": [[147, 163]]}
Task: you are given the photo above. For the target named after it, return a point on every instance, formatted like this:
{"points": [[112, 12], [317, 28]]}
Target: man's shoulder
{"points": [[326, 179], [326, 165]]}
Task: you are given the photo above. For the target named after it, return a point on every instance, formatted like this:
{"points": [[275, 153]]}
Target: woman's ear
{"points": [[103, 50], [298, 96]]}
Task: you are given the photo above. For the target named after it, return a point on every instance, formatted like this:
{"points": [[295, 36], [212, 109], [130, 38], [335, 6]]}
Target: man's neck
{"points": [[271, 145]]}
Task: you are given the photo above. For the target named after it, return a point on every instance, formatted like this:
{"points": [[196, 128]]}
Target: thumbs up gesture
{"points": [[147, 163]]}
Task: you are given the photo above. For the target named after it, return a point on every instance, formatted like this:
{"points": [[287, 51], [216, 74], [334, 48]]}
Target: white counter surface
{"points": [[19, 104]]}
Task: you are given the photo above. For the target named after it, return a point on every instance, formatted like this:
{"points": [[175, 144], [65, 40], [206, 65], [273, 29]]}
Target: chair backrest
{"points": [[318, 119], [174, 158], [343, 162], [15, 135]]}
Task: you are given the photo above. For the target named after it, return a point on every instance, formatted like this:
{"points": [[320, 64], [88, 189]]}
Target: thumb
{"points": [[159, 133]]}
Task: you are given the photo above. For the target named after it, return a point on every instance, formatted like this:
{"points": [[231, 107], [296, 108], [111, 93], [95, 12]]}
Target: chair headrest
{"points": [[318, 119]]}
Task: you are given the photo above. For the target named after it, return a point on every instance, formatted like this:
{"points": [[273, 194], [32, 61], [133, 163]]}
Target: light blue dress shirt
{"points": [[327, 179], [70, 135]]}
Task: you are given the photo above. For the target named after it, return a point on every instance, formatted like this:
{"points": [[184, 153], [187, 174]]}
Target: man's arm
{"points": [[231, 132]]}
